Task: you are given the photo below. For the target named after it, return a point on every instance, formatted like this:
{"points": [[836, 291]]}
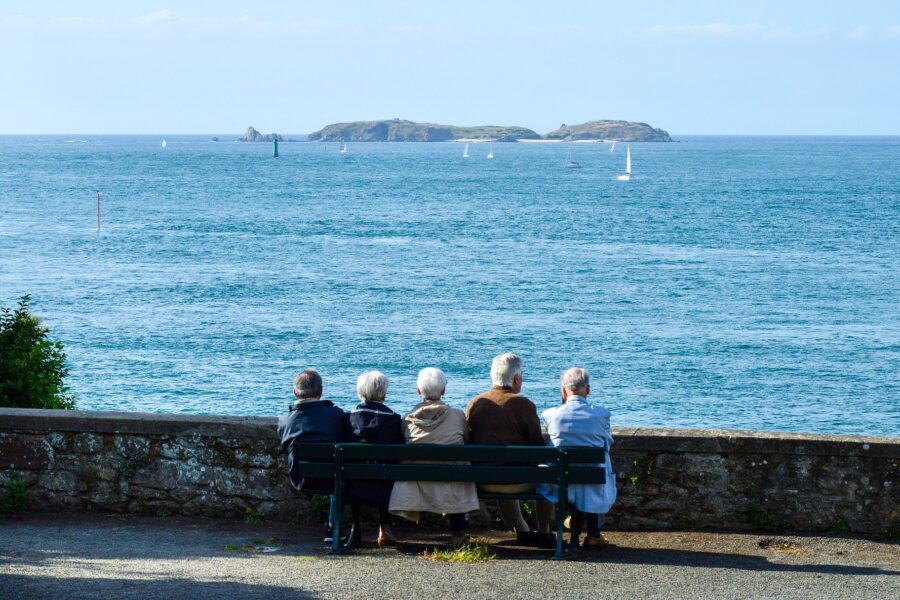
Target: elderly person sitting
{"points": [[577, 422], [310, 420], [434, 422], [373, 423], [502, 416]]}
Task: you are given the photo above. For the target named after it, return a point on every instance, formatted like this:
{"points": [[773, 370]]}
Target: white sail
{"points": [[343, 146], [613, 147], [491, 151], [466, 151], [627, 175], [164, 144]]}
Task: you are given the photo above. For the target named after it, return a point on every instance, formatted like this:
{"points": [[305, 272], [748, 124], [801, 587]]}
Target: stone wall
{"points": [[233, 467]]}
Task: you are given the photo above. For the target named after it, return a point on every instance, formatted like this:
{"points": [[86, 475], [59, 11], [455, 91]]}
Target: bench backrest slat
{"points": [[451, 472], [584, 455], [492, 464], [497, 454]]}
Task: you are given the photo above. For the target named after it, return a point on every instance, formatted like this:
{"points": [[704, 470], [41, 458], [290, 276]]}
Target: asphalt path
{"points": [[87, 555]]}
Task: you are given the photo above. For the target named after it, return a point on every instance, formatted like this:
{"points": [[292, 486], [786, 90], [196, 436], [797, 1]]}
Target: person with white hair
{"points": [[372, 423], [577, 422], [432, 421], [502, 416]]}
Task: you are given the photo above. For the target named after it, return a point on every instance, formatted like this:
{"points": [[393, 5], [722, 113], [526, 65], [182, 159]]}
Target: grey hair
{"points": [[504, 369], [575, 379], [308, 384], [432, 383], [372, 386]]}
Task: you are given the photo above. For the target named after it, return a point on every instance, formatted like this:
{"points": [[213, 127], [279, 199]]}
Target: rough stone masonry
{"points": [[234, 467]]}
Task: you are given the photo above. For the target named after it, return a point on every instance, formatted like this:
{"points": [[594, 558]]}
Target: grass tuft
{"points": [[475, 550]]}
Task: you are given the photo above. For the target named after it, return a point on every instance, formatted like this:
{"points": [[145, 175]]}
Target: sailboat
{"points": [[491, 150], [466, 151], [164, 144], [571, 164], [613, 147], [627, 175], [343, 146]]}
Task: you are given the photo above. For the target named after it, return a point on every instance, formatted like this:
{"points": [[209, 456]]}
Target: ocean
{"points": [[734, 282]]}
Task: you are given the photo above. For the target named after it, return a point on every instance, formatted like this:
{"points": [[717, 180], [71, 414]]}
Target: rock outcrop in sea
{"points": [[398, 130], [621, 131], [252, 135]]}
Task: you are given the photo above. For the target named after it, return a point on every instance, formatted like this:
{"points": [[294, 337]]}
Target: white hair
{"points": [[372, 386], [504, 369], [575, 379], [432, 383]]}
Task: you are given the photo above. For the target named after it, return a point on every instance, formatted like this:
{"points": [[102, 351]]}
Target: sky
{"points": [[763, 67]]}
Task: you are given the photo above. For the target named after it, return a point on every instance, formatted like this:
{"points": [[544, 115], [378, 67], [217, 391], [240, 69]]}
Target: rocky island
{"points": [[620, 131], [397, 130], [252, 135]]}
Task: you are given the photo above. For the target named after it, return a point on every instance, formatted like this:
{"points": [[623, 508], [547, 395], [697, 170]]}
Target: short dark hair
{"points": [[308, 384]]}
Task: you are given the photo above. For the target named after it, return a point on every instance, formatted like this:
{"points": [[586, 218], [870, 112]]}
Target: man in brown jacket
{"points": [[502, 416]]}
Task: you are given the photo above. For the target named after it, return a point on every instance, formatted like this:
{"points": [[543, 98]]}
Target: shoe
{"points": [[330, 538], [536, 539], [591, 543], [354, 538]]}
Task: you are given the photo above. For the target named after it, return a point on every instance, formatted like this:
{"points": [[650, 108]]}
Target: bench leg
{"points": [[560, 530], [337, 512]]}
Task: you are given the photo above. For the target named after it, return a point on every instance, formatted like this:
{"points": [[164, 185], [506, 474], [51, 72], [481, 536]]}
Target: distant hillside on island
{"points": [[621, 131], [398, 130]]}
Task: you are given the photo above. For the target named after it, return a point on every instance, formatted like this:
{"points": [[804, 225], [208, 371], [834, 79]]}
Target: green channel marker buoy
{"points": [[275, 155]]}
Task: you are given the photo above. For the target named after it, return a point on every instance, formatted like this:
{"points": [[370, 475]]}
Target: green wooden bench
{"points": [[561, 466]]}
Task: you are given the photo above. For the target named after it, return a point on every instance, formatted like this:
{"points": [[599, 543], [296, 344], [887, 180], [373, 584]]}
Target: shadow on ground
{"points": [[23, 586], [668, 557]]}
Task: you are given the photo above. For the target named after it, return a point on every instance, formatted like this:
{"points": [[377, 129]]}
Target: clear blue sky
{"points": [[781, 67]]}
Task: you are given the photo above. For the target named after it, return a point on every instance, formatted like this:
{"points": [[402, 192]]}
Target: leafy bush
{"points": [[14, 499], [32, 367]]}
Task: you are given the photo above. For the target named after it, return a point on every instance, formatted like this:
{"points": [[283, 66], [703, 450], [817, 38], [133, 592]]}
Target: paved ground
{"points": [[127, 556]]}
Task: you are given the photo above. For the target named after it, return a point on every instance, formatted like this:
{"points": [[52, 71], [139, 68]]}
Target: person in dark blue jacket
{"points": [[373, 423], [310, 420]]}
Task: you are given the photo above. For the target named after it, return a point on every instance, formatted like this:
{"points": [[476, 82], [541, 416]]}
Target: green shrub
{"points": [[32, 367], [251, 517], [14, 498], [840, 527]]}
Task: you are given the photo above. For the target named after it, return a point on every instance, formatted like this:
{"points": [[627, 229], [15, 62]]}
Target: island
{"points": [[252, 135], [620, 131], [398, 130]]}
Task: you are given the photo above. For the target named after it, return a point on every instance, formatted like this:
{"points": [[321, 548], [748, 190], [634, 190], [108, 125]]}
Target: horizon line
{"points": [[306, 134]]}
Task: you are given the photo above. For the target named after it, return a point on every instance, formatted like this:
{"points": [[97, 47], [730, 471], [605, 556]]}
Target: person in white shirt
{"points": [[577, 422]]}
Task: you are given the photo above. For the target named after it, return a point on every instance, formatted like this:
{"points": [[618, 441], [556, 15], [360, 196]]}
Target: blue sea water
{"points": [[735, 282]]}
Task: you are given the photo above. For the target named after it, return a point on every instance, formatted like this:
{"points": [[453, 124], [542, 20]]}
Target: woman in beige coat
{"points": [[434, 422]]}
